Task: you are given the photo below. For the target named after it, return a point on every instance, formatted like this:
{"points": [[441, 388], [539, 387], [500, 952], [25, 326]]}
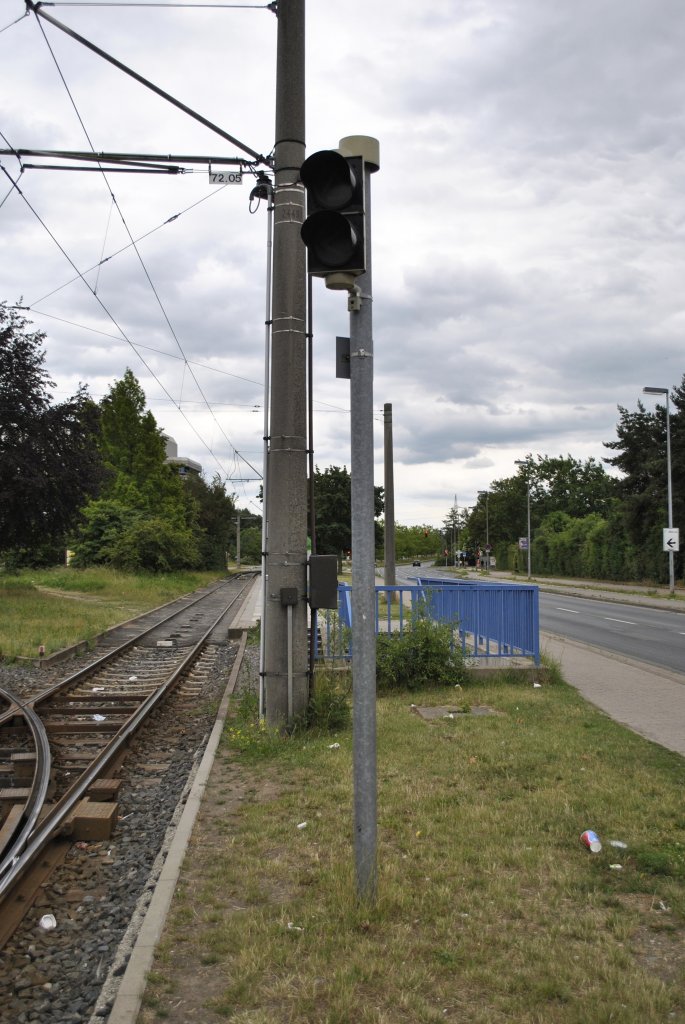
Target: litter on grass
{"points": [[591, 840]]}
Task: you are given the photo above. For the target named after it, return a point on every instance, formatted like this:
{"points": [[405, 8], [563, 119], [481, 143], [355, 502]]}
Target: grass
{"points": [[488, 910], [60, 607]]}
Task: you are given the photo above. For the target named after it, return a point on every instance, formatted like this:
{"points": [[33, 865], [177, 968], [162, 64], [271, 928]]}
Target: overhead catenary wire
{"points": [[150, 348], [154, 3], [121, 330], [125, 248], [36, 8], [15, 22], [116, 206]]}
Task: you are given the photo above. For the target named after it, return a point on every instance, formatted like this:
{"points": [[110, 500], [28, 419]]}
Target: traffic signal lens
{"points": [[334, 228], [329, 179], [330, 238]]}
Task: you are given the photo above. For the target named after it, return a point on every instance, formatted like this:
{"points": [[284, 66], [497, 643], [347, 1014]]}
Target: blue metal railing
{"points": [[488, 620]]}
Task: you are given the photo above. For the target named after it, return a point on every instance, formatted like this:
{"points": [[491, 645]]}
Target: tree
{"points": [[418, 542], [146, 518], [454, 524], [641, 456], [216, 519], [49, 460], [333, 504]]}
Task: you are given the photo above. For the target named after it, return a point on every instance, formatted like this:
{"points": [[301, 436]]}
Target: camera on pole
{"points": [[334, 230]]}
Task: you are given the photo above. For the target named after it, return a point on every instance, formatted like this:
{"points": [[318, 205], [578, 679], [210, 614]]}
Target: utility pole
{"points": [[286, 682], [389, 492]]}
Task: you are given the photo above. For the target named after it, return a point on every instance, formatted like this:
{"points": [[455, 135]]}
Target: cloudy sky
{"points": [[528, 222]]}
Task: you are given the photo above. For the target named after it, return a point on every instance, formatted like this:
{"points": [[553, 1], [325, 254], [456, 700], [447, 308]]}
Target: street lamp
{"points": [[664, 391], [487, 531], [525, 462]]}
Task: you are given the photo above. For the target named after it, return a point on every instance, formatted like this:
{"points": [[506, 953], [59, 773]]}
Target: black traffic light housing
{"points": [[334, 231]]}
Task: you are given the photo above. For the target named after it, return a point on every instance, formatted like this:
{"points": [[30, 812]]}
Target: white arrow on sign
{"points": [[671, 539]]}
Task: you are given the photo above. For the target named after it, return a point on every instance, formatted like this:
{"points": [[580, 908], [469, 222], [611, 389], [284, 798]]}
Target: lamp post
{"points": [[525, 462], [455, 531], [487, 531], [671, 567]]}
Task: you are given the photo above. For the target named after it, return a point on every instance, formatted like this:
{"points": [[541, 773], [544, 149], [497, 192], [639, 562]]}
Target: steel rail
{"points": [[55, 818], [93, 666], [40, 783]]}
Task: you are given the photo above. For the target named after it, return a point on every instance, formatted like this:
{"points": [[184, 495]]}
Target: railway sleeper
{"points": [[91, 820], [67, 728], [24, 764], [10, 824], [92, 709]]}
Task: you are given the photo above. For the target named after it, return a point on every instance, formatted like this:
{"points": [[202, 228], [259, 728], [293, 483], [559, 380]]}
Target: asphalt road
{"points": [[648, 634]]}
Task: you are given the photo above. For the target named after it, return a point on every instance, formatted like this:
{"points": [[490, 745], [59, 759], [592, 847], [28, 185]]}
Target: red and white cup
{"points": [[591, 840]]}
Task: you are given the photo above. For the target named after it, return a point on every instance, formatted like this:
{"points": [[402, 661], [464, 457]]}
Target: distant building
{"points": [[183, 466]]}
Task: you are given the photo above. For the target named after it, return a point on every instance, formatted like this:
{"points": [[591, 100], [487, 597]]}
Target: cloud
{"points": [[527, 221]]}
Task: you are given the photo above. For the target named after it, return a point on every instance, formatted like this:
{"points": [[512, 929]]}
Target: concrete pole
{"points": [[389, 488], [363, 549], [285, 649]]}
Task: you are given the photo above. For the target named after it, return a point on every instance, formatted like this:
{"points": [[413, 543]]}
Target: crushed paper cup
{"points": [[48, 922]]}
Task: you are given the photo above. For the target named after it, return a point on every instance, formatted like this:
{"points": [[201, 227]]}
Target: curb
{"points": [[129, 996]]}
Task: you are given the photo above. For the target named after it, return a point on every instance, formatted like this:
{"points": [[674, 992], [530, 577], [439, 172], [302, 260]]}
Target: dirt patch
{"points": [[432, 714], [183, 983], [71, 595], [658, 944]]}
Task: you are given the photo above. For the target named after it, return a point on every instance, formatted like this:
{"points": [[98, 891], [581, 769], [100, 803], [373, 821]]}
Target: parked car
{"points": [[415, 563]]}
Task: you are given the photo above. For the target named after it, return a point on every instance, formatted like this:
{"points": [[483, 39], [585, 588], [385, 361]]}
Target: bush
{"points": [[329, 703], [421, 657]]}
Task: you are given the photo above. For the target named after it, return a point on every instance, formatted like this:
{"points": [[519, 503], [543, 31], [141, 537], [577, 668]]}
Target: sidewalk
{"points": [[648, 699], [602, 590]]}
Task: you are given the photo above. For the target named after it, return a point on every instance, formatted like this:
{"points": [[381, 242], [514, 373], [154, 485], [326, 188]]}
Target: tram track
{"points": [[163, 677]]}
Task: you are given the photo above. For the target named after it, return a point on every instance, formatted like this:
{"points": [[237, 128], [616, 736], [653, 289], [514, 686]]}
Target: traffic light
{"points": [[334, 229]]}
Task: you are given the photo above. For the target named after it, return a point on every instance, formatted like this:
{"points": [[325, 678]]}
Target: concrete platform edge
{"points": [[129, 997]]}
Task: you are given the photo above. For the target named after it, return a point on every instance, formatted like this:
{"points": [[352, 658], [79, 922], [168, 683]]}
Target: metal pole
{"points": [[237, 543], [455, 531], [529, 552], [286, 557], [389, 489], [363, 556], [671, 566], [265, 475]]}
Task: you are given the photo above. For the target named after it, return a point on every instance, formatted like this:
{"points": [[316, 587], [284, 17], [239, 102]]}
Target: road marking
{"points": [[627, 622], [571, 611]]}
